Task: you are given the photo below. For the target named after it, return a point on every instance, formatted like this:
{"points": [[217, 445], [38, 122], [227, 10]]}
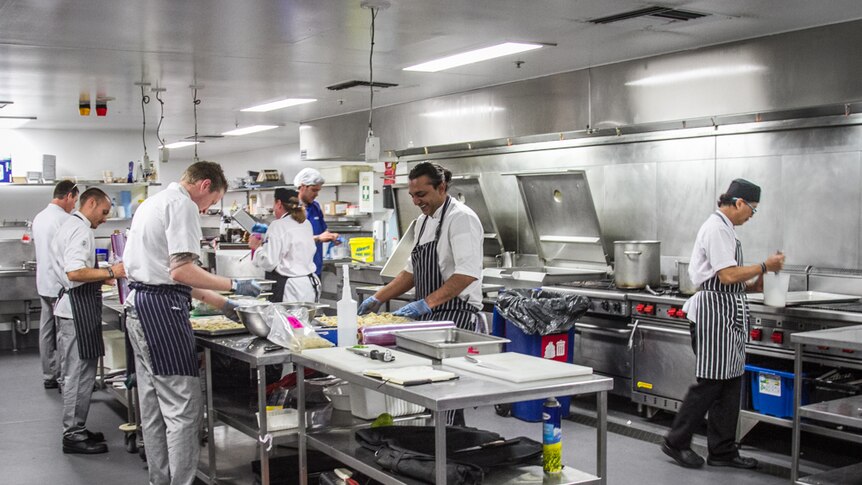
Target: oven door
{"points": [[601, 343], [663, 363]]}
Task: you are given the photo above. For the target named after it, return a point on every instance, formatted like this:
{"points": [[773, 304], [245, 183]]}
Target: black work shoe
{"points": [[96, 436], [736, 462], [86, 447], [50, 384], [686, 458]]}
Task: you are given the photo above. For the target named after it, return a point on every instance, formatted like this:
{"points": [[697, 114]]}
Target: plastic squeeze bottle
{"points": [[347, 325]]}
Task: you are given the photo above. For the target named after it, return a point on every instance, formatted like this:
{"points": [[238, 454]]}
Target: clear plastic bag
{"points": [[291, 329], [541, 312]]}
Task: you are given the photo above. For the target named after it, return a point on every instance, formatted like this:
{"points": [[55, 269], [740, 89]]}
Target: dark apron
{"points": [[277, 295], [721, 327], [427, 279], [163, 311], [86, 302]]}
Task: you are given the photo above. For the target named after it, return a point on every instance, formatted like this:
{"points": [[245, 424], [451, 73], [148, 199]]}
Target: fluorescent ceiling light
{"points": [[478, 55], [12, 122], [284, 103], [249, 129], [4, 104], [181, 144], [463, 112], [696, 74]]}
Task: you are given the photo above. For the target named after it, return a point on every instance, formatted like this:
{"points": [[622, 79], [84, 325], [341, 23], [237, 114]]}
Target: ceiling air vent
{"points": [[359, 84], [655, 11]]}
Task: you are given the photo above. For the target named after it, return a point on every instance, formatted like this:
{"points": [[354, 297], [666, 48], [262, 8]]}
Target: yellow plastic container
{"points": [[362, 248]]}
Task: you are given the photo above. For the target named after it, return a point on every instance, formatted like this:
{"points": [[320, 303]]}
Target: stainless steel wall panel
{"points": [[629, 202], [791, 142], [684, 200], [821, 198]]}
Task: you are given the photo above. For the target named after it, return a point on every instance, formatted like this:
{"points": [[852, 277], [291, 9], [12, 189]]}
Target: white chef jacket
{"points": [[714, 250], [45, 227], [165, 224], [73, 248], [288, 248], [459, 249]]}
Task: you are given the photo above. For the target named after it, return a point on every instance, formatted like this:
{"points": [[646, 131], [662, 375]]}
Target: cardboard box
{"points": [[335, 208], [343, 174]]}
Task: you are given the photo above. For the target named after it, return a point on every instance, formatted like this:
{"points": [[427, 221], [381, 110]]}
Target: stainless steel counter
{"points": [[247, 348], [844, 337]]}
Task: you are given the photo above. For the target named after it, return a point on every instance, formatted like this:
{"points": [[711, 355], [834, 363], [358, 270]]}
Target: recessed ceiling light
{"points": [[249, 129], [478, 55], [284, 103], [181, 144], [12, 122], [4, 104]]}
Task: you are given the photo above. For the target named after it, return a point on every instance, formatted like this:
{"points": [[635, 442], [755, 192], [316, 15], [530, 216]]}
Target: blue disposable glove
{"points": [[245, 287], [413, 310], [370, 304], [229, 310]]}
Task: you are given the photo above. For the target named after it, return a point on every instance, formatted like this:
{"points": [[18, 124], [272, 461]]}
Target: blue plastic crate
{"points": [[331, 335], [772, 391]]}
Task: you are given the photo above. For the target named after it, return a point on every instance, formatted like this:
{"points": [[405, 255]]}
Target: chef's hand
{"points": [[370, 304], [245, 287], [255, 241], [119, 270], [775, 262], [229, 309], [327, 236], [413, 310]]}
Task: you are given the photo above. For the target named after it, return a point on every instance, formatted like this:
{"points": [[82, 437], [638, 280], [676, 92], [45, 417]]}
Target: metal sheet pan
{"points": [[448, 342], [797, 298], [219, 333]]}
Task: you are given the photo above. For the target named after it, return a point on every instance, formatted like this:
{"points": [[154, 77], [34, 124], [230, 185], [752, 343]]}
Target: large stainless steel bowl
{"points": [[312, 308], [253, 319]]}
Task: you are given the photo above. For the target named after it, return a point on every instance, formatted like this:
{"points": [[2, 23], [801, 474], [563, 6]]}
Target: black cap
{"points": [[745, 190], [284, 195]]}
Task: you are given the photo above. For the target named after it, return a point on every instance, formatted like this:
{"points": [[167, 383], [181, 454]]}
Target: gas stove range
{"points": [[607, 299]]}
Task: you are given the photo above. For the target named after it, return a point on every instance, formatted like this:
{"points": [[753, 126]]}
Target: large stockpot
{"points": [[686, 286], [637, 264]]}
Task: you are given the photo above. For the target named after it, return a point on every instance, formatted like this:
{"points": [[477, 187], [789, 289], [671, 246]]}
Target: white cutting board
{"points": [[518, 368], [342, 359]]}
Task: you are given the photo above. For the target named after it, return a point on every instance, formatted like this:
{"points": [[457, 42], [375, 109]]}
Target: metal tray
{"points": [[796, 298], [217, 333], [449, 342]]}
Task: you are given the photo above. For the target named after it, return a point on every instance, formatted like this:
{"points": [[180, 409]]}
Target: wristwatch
{"points": [[762, 268], [110, 272]]}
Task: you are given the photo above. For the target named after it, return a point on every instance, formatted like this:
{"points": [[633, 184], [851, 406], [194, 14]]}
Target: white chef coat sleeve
{"points": [[270, 253], [76, 250], [720, 245], [465, 240], [182, 229]]}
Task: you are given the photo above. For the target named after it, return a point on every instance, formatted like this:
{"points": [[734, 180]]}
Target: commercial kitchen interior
{"points": [[645, 114]]}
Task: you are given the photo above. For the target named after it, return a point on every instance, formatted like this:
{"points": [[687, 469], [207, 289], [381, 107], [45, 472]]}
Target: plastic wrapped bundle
{"points": [[539, 312]]}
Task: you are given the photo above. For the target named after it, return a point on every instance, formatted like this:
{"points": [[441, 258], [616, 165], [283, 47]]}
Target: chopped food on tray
{"points": [[366, 320], [219, 322]]}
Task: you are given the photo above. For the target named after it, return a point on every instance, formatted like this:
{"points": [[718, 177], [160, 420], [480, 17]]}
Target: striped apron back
{"points": [[86, 302], [164, 314], [721, 327]]}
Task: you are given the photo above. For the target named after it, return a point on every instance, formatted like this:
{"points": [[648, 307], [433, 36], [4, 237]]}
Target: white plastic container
{"points": [[347, 323], [775, 289], [368, 404], [339, 395], [279, 419]]}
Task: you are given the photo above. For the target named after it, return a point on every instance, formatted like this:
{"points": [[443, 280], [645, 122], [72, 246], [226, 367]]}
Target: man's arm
{"points": [[739, 274], [89, 275], [402, 283], [186, 272], [450, 289]]}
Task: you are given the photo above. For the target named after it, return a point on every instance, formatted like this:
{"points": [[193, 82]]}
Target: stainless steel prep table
{"points": [[488, 302], [846, 412], [470, 390], [249, 349]]}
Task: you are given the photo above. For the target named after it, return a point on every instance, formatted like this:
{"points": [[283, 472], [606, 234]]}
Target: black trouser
{"points": [[721, 399]]}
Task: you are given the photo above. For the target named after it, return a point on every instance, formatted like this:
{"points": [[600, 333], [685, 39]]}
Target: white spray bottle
{"points": [[347, 325]]}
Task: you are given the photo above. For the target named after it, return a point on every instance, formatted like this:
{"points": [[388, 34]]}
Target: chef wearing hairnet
{"points": [[308, 183]]}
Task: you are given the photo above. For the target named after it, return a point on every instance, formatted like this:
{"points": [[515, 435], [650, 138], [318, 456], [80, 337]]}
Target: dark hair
{"points": [[64, 188], [726, 200], [92, 193], [290, 201], [206, 171], [435, 173]]}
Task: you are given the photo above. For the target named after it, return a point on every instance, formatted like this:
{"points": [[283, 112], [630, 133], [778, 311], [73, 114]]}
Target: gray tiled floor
{"points": [[30, 451]]}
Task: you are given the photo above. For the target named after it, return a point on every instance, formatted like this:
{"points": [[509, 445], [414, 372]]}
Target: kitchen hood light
{"points": [[696, 74], [478, 55], [284, 103], [463, 112], [180, 144], [249, 130], [12, 122]]}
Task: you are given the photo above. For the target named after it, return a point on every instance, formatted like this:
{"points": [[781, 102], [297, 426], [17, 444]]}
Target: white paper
{"points": [[769, 384]]}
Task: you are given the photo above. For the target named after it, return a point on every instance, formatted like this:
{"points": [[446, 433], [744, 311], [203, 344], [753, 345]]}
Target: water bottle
{"points": [[347, 324], [552, 437]]}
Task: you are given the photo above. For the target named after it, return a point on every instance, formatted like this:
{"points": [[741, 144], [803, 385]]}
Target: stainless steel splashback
{"points": [[468, 189], [13, 253], [562, 216]]}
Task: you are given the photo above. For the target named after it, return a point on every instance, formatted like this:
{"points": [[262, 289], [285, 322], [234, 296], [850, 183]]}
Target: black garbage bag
{"points": [[539, 312]]}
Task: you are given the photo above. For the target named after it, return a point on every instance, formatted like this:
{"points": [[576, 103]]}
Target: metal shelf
{"points": [[848, 475], [341, 445], [845, 412]]}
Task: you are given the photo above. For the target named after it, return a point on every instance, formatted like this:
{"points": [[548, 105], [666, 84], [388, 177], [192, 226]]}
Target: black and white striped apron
{"points": [[427, 279], [163, 311], [86, 303], [721, 328]]}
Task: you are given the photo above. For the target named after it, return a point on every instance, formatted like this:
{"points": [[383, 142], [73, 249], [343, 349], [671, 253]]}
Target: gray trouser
{"points": [[51, 357], [79, 377], [171, 415]]}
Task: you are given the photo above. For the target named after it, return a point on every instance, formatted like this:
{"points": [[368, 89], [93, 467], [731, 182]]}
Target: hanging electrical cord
{"points": [[371, 75], [161, 117], [145, 100], [196, 102]]}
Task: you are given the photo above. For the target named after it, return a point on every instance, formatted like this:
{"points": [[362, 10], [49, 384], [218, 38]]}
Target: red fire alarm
{"points": [[101, 108]]}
